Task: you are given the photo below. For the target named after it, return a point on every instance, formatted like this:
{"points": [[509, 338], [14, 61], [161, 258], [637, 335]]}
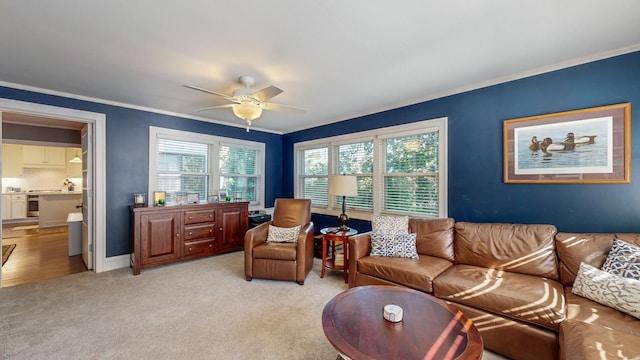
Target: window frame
{"points": [[214, 174], [334, 207]]}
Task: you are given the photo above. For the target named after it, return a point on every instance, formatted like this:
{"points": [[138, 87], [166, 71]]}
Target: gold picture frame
{"points": [[581, 146]]}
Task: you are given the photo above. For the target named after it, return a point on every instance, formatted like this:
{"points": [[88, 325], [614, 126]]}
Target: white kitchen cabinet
{"points": [[11, 160], [18, 206], [44, 157], [74, 170], [14, 206], [6, 207]]}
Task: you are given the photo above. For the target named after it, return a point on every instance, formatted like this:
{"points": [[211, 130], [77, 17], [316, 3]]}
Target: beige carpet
{"points": [[202, 309]]}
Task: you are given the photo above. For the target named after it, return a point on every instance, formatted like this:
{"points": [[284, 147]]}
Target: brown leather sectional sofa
{"points": [[514, 282]]}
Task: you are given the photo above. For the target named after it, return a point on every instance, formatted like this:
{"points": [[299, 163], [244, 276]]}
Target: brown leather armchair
{"points": [[281, 261]]}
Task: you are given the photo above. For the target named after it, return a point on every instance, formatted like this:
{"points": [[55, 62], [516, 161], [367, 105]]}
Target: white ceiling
{"points": [[339, 59]]}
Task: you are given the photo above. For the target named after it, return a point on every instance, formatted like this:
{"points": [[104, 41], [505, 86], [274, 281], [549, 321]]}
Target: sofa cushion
{"points": [[390, 225], [585, 310], [615, 291], [398, 245], [434, 237], [528, 298], [414, 273], [275, 251], [623, 260], [574, 248], [518, 248], [582, 340]]}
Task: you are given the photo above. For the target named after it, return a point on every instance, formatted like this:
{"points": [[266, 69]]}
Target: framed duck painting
{"points": [[581, 146]]}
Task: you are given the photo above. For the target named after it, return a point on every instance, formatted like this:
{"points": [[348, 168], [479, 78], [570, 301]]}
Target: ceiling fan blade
{"points": [[282, 107], [215, 107], [209, 92], [266, 93]]}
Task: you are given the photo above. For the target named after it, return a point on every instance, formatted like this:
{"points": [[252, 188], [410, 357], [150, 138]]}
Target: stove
{"points": [[33, 206]]}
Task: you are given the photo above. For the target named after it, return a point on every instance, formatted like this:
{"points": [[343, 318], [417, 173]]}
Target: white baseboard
{"points": [[117, 262]]}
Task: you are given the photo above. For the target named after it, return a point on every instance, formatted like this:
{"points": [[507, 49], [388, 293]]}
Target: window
{"points": [[410, 174], [357, 159], [181, 167], [238, 173], [183, 162], [400, 170], [315, 175]]}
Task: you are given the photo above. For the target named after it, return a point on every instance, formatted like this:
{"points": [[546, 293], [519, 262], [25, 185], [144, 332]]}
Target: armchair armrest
{"points": [[359, 246], [256, 236], [304, 253]]}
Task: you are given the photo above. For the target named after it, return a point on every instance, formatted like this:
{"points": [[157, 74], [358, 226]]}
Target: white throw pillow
{"points": [[617, 292], [390, 225], [278, 234]]}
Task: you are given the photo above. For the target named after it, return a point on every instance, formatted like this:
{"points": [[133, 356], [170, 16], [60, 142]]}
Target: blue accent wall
{"points": [[127, 155], [476, 191]]}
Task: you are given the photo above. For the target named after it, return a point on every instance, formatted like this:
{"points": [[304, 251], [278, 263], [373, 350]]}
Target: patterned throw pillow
{"points": [[398, 245], [618, 292], [623, 260], [390, 225], [278, 234]]}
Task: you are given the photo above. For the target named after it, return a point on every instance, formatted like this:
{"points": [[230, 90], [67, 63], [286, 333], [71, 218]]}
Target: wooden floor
{"points": [[39, 254]]}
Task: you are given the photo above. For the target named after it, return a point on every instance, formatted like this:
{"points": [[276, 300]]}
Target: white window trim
{"points": [[334, 208], [216, 142]]}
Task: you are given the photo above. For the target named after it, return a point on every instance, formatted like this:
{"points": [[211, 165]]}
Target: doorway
{"points": [[93, 145]]}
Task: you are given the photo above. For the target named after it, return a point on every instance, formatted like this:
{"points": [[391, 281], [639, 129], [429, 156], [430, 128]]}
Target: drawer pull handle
{"points": [[210, 245], [220, 229], [189, 249], [210, 216], [190, 233], [190, 217], [177, 235], [210, 231]]}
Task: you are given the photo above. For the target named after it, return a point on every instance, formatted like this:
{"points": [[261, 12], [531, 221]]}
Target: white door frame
{"points": [[98, 157]]}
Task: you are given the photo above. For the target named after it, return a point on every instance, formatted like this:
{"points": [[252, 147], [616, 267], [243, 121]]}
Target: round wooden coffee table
{"points": [[430, 329]]}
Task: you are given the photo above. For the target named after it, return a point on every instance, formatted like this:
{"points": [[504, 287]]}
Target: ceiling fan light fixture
{"points": [[247, 110]]}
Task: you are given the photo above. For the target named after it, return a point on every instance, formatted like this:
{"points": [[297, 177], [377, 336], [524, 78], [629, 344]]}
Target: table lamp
{"points": [[343, 185]]}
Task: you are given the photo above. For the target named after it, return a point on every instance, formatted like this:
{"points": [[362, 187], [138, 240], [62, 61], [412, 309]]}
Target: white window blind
{"points": [[182, 167], [314, 180], [400, 170], [238, 171], [411, 174], [357, 159], [182, 162]]}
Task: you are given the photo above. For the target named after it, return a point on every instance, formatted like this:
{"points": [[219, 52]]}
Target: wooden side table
{"points": [[334, 237]]}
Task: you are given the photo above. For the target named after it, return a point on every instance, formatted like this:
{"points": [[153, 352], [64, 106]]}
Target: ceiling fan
{"points": [[248, 103]]}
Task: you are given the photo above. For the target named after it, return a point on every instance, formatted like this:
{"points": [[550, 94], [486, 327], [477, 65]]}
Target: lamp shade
{"points": [[343, 185]]}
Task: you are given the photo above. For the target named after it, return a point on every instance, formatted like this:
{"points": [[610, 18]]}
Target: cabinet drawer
{"points": [[199, 231], [198, 248], [194, 217]]}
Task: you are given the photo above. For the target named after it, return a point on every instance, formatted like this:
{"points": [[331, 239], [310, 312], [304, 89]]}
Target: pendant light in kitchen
{"points": [[76, 159]]}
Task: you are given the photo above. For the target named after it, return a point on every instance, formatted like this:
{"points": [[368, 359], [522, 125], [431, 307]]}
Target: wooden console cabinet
{"points": [[164, 235]]}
